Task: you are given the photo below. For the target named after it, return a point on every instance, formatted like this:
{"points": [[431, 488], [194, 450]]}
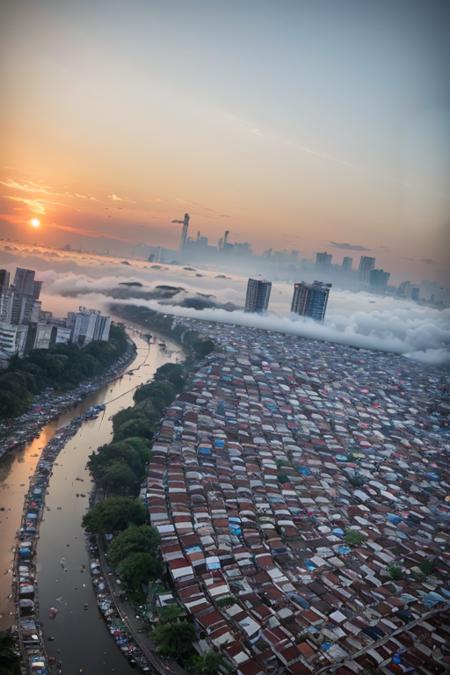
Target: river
{"points": [[79, 636]]}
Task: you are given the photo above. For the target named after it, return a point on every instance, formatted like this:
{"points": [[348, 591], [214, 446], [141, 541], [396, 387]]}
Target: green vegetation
{"points": [[134, 554], [174, 639], [9, 654], [427, 566], [119, 467], [395, 572], [135, 539], [354, 538], [114, 514], [162, 323], [206, 664], [63, 367], [227, 601], [170, 613], [138, 568]]}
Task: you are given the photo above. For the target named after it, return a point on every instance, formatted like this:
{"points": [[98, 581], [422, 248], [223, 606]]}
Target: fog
{"points": [[359, 319]]}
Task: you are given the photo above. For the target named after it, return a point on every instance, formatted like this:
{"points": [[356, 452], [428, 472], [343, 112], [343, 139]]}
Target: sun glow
{"points": [[35, 222]]}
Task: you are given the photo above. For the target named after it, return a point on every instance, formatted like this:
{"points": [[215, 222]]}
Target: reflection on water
{"points": [[81, 640], [16, 469]]}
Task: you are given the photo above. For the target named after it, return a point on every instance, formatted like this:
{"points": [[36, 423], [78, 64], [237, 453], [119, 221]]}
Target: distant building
{"points": [[13, 338], [258, 295], [26, 292], [323, 261], [415, 293], [310, 299], [366, 265], [378, 280], [347, 264], [6, 305], [4, 280], [88, 325]]}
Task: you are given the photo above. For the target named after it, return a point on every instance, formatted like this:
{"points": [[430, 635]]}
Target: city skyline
{"points": [[107, 147]]}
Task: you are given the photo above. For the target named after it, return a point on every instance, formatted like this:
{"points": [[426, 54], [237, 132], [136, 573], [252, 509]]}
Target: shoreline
{"points": [[24, 583], [56, 404]]}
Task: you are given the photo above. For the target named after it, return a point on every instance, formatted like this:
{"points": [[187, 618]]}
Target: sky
{"points": [[304, 124]]}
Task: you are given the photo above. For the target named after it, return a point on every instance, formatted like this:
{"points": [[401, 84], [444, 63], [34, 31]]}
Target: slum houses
{"points": [[301, 491]]}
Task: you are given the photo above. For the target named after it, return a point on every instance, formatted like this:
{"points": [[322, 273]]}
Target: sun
{"points": [[35, 222]]}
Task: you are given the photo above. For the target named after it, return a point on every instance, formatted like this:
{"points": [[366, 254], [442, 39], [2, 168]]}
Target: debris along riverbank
{"points": [[24, 580], [50, 404]]}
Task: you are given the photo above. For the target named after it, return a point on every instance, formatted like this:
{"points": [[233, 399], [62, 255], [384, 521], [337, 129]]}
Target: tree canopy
{"points": [[135, 539], [174, 639], [113, 514]]}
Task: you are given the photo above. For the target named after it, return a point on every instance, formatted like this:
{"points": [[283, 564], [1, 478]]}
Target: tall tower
{"points": [[258, 294], [310, 299], [184, 231]]}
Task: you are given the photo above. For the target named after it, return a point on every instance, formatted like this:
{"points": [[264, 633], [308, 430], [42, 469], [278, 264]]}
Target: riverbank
{"points": [[25, 590], [150, 401], [79, 621], [51, 404]]}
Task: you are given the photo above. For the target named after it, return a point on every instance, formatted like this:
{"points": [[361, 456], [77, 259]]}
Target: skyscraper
{"points": [[4, 280], [26, 293], [323, 261], [347, 264], [258, 294], [366, 265], [310, 299], [378, 280]]}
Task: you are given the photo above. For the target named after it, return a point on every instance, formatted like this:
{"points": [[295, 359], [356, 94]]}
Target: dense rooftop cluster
{"points": [[301, 491]]}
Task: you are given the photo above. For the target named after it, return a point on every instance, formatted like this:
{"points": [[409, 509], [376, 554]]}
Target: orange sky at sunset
{"points": [[118, 122]]}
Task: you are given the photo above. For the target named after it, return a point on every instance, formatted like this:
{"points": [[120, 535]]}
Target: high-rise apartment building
{"points": [[26, 293], [347, 264], [258, 295], [310, 299], [366, 265], [323, 261], [378, 280], [4, 280], [88, 325]]}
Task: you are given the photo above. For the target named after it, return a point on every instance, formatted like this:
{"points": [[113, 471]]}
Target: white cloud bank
{"points": [[358, 319], [409, 332]]}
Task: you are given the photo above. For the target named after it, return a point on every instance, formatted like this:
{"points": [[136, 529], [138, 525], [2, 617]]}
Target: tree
{"points": [[427, 566], [137, 426], [205, 664], [114, 513], [138, 568], [161, 392], [174, 372], [395, 572], [170, 613], [354, 538], [174, 639], [135, 539], [118, 478]]}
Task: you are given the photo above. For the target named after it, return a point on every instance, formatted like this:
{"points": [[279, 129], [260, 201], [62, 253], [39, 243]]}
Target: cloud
{"points": [[115, 198], [427, 261], [357, 319], [36, 205], [26, 187], [349, 247]]}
